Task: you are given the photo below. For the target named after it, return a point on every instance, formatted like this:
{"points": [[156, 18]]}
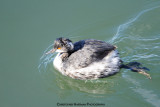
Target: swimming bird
{"points": [[87, 59]]}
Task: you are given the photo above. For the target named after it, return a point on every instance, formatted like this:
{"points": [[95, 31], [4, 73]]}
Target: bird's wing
{"points": [[90, 51]]}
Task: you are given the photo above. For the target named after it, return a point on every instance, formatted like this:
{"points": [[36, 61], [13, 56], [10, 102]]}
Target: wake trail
{"points": [[122, 27], [148, 95]]}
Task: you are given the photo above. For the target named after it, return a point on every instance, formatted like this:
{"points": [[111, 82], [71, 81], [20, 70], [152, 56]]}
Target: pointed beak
{"points": [[51, 51]]}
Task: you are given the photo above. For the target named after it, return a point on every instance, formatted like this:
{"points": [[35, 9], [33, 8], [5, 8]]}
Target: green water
{"points": [[29, 27]]}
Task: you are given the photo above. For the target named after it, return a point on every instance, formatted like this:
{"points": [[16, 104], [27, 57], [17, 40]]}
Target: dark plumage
{"points": [[87, 52], [89, 59]]}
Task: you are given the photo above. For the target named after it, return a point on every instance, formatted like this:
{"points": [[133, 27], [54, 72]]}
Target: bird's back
{"points": [[88, 51]]}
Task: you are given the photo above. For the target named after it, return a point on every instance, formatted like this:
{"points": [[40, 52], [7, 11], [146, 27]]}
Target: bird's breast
{"points": [[58, 64]]}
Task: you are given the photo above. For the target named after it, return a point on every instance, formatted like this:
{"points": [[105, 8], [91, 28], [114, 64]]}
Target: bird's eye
{"points": [[58, 48]]}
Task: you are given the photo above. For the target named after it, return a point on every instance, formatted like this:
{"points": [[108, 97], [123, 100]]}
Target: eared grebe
{"points": [[87, 59]]}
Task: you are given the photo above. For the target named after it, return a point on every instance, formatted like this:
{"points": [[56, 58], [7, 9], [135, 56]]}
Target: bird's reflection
{"points": [[65, 85]]}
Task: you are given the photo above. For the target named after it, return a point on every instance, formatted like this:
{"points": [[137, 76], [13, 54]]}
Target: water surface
{"points": [[28, 29]]}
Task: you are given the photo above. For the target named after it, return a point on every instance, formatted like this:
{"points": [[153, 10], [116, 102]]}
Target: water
{"points": [[28, 29]]}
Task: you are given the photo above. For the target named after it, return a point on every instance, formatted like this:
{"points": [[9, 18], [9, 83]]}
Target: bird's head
{"points": [[61, 45]]}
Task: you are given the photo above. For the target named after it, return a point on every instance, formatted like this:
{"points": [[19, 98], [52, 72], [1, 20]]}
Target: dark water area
{"points": [[28, 29]]}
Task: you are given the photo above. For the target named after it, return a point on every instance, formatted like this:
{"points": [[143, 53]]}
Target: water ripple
{"points": [[45, 59], [122, 27], [148, 95]]}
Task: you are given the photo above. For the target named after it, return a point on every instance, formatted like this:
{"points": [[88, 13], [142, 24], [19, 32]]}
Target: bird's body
{"points": [[86, 59]]}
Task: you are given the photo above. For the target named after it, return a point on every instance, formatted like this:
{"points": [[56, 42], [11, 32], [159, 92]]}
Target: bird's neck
{"points": [[64, 56]]}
